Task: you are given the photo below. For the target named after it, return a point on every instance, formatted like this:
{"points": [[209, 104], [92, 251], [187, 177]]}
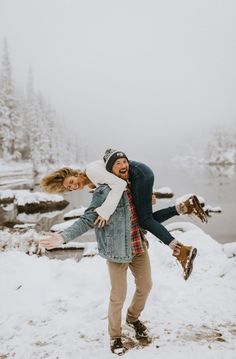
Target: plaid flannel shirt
{"points": [[136, 238]]}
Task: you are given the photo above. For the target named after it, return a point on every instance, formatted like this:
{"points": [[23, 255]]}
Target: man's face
{"points": [[74, 182], [121, 168]]}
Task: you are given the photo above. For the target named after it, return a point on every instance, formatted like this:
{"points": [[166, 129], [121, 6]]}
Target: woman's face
{"points": [[74, 182]]}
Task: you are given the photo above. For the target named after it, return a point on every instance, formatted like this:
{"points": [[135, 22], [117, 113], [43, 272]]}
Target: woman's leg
{"points": [[165, 214]]}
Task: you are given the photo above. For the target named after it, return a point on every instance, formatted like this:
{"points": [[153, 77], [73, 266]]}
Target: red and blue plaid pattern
{"points": [[136, 239]]}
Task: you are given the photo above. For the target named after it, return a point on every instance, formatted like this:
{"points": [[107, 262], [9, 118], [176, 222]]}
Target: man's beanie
{"points": [[111, 156]]}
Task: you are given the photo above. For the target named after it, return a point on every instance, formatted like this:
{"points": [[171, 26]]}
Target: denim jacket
{"points": [[114, 239]]}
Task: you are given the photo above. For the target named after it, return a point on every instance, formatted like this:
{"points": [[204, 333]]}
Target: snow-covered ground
{"points": [[58, 309]]}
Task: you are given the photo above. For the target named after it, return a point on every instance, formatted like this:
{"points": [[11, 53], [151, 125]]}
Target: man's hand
{"points": [[100, 222], [154, 199], [53, 240]]}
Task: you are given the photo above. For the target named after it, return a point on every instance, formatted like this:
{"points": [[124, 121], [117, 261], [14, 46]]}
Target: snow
{"points": [[36, 217], [6, 194], [216, 209], [230, 249], [58, 309], [23, 197], [25, 225], [164, 190]]}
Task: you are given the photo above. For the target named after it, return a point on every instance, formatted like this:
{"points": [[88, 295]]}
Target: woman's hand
{"points": [[53, 240], [100, 222]]}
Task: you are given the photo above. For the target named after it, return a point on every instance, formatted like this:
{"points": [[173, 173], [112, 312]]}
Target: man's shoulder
{"points": [[102, 189]]}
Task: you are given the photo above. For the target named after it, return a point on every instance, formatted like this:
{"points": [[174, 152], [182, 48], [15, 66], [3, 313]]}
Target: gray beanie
{"points": [[111, 156]]}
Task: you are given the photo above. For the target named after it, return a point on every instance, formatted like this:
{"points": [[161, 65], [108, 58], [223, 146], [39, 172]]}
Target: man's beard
{"points": [[124, 174]]}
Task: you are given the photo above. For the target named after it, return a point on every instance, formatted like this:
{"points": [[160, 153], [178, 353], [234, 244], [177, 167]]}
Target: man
{"points": [[121, 242], [123, 245]]}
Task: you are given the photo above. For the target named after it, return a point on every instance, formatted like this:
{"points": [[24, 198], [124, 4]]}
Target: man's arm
{"points": [[81, 226]]}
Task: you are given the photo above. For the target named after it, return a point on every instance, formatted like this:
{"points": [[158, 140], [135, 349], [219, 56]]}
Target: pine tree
{"points": [[11, 133], [6, 104]]}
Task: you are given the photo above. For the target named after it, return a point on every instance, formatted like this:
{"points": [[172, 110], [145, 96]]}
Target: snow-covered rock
{"points": [[24, 197], [28, 242]]}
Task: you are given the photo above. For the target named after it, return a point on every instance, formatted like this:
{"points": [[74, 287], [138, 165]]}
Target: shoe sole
{"points": [[198, 206], [190, 263]]}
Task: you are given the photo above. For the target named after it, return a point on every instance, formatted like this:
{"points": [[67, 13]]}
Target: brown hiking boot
{"points": [[117, 346], [185, 255], [192, 206], [141, 331]]}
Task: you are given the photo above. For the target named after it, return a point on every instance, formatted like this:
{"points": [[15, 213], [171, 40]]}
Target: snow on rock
{"points": [[36, 217], [7, 213], [6, 194], [28, 242], [58, 309], [74, 213], [23, 197], [228, 157], [163, 190], [210, 209]]}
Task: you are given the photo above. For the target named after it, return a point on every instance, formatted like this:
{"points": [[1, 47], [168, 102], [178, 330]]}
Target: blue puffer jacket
{"points": [[114, 240]]}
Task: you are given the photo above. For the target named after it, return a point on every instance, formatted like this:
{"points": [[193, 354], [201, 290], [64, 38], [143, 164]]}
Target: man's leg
{"points": [[118, 278], [141, 270]]}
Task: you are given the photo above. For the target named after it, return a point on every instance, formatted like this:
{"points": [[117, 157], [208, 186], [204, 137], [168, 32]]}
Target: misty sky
{"points": [[146, 77]]}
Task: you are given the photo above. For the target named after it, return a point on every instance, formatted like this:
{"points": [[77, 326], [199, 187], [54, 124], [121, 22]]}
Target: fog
{"points": [[152, 78]]}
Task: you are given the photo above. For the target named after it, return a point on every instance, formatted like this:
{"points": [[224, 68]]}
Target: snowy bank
{"points": [[58, 309]]}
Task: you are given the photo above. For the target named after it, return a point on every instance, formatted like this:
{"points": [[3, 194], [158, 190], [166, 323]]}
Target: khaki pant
{"points": [[141, 270]]}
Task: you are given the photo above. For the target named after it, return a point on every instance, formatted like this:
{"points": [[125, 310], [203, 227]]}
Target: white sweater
{"points": [[97, 173]]}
